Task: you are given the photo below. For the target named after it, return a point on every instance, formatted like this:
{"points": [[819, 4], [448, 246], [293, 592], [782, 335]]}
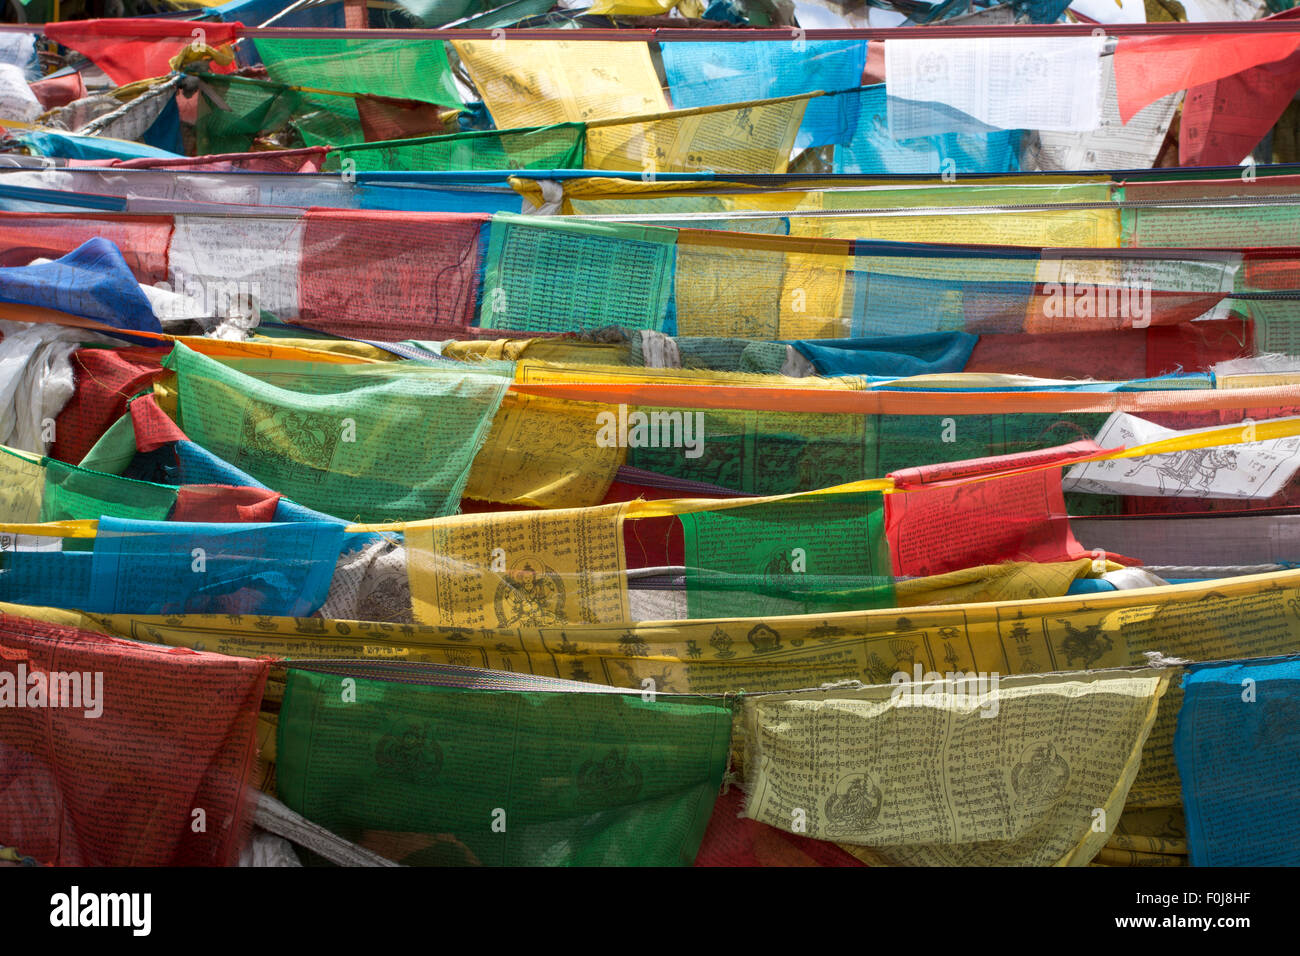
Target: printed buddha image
{"points": [[854, 805], [408, 752], [532, 594], [608, 780], [1040, 776]]}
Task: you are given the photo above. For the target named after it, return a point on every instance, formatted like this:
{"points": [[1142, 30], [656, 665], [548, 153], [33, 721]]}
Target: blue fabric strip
{"points": [[161, 567], [897, 355], [1238, 753], [713, 74], [92, 280]]}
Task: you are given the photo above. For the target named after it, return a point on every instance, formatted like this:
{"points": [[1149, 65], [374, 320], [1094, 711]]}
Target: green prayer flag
{"points": [[73, 493], [383, 66], [234, 110], [820, 554], [557, 275], [370, 443], [548, 147], [498, 774]]}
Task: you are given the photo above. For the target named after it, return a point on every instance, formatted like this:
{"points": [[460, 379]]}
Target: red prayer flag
{"points": [[139, 48], [941, 528], [224, 503], [128, 749], [734, 841], [1149, 67]]}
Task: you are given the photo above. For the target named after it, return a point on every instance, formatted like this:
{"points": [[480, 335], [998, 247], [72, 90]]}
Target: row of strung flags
{"points": [[644, 444]]}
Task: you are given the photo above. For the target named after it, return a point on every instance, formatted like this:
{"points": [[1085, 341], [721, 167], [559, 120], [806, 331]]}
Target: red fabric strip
{"points": [[388, 276], [153, 428], [175, 734], [1224, 120], [139, 49], [1147, 68], [224, 503], [733, 841], [385, 117], [58, 91], [105, 379], [949, 527], [143, 240]]}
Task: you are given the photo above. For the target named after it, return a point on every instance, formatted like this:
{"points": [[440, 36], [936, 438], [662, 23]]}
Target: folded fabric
{"points": [[35, 382], [891, 355], [92, 281]]}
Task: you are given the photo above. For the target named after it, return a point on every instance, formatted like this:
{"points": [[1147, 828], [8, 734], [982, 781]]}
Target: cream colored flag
{"points": [[1019, 771]]}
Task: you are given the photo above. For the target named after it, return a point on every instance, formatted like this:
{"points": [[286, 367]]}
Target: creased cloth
{"points": [[36, 381], [370, 584]]}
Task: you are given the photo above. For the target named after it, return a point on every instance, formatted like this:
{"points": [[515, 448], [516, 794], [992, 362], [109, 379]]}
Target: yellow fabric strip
{"points": [[890, 771], [527, 83], [752, 137]]}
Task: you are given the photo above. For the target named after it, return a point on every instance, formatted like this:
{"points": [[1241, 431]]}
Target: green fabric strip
{"points": [[366, 443], [381, 66], [819, 554], [552, 275], [450, 776], [548, 147]]}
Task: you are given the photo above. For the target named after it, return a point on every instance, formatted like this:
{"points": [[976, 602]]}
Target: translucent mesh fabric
{"points": [[822, 554], [420, 280], [710, 300], [751, 138], [174, 732], [756, 286], [711, 74], [234, 111], [22, 487], [92, 281], [361, 442], [1277, 325], [501, 775], [1223, 227], [142, 240], [50, 490], [766, 452], [559, 275], [155, 567], [732, 840], [307, 159], [130, 50], [888, 301], [669, 205], [105, 379], [869, 149], [73, 493], [1217, 224], [1117, 355], [550, 275], [550, 147], [1237, 762], [385, 67]]}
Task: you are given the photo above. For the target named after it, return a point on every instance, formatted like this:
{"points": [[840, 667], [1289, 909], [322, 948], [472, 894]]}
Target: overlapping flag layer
{"points": [[794, 442]]}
